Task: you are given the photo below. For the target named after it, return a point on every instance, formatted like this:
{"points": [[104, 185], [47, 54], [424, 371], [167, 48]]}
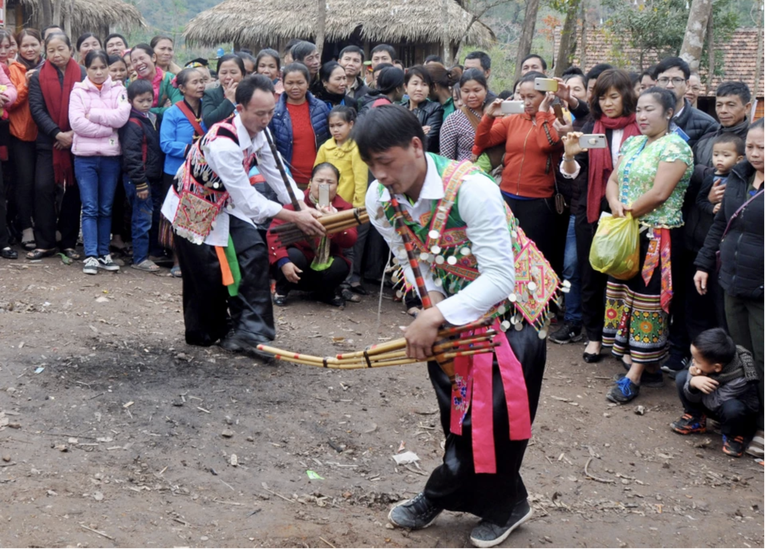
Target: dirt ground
{"points": [[113, 432]]}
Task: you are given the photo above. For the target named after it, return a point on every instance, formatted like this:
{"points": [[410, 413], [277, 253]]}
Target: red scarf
{"points": [[156, 84], [57, 102], [601, 165]]}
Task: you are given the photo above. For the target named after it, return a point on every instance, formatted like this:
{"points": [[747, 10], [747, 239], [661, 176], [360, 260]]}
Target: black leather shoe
{"points": [[415, 514], [9, 253], [237, 344], [591, 358]]}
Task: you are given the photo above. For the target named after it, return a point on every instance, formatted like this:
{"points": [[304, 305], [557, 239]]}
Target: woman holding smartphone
{"points": [[613, 115]]}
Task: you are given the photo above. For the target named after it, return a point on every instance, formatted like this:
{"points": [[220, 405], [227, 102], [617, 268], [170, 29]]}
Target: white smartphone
{"points": [[323, 195], [546, 84], [512, 107], [593, 141]]}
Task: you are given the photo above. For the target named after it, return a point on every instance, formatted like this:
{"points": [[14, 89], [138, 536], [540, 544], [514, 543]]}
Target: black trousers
{"points": [[537, 218], [593, 283], [454, 485], [323, 283], [735, 417], [4, 233], [24, 154], [703, 312], [56, 208], [208, 311], [682, 264]]}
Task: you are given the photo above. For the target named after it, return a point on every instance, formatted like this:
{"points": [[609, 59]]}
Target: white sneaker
{"points": [[107, 264], [90, 266]]}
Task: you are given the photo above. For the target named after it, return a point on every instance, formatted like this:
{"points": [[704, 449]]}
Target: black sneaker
{"points": [[689, 425], [415, 514], [675, 363], [734, 446], [623, 391], [647, 379], [488, 534], [567, 333]]}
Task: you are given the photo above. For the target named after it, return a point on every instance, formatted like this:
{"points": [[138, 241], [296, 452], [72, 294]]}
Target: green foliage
{"points": [[659, 25]]}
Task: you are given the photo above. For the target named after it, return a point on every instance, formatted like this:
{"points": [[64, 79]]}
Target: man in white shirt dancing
{"points": [[214, 209], [466, 240]]}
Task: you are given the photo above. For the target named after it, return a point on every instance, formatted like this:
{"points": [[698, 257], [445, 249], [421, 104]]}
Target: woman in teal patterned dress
{"points": [[649, 182]]}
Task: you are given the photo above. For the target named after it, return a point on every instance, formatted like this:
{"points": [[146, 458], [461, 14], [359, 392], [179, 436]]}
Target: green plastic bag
{"points": [[615, 248]]}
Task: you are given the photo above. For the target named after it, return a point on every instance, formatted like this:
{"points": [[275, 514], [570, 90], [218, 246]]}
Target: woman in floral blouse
{"points": [[649, 182]]}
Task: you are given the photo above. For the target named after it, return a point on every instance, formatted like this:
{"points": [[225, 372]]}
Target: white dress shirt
{"points": [[226, 159], [616, 145], [482, 209]]}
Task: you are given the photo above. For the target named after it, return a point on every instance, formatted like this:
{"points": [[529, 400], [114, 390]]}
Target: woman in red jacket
{"points": [[317, 265], [532, 154]]}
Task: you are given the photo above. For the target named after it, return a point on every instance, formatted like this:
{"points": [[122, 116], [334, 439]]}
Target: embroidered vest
{"points": [[201, 192], [445, 253]]}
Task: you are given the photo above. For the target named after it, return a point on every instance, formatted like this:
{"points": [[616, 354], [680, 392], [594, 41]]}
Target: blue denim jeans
{"points": [[140, 223], [97, 178], [571, 273]]}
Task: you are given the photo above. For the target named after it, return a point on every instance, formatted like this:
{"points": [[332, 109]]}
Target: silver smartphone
{"points": [[323, 195], [546, 84], [512, 107], [593, 141]]}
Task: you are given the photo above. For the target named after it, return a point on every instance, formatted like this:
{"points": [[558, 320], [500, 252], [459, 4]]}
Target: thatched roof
{"points": [[97, 14], [266, 21]]}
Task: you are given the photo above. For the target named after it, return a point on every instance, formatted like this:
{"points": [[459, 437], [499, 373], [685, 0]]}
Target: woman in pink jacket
{"points": [[98, 107]]}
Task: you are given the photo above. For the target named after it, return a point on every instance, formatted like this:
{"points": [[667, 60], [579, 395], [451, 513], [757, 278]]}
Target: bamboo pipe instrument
{"points": [[324, 220]]}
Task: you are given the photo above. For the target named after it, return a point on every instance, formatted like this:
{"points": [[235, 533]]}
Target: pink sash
{"points": [[473, 384]]}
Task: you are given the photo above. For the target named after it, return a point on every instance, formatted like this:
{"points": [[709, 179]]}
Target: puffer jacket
{"points": [[429, 113], [281, 124], [96, 115], [695, 123], [741, 251], [139, 135]]}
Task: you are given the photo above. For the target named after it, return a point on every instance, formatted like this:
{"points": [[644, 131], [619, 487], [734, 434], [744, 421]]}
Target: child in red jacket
{"points": [[318, 265]]}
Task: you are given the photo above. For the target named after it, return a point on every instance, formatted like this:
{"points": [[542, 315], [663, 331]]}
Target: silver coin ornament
{"points": [[438, 282], [424, 256], [440, 260], [452, 260], [434, 234], [435, 250], [542, 334], [465, 251], [519, 327], [532, 286], [513, 298]]}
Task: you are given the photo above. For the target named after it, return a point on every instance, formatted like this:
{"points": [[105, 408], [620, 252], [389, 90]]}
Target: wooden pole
{"points": [[282, 172]]}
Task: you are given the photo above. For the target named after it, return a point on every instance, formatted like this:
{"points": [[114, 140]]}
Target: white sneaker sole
{"points": [[503, 537], [397, 525]]}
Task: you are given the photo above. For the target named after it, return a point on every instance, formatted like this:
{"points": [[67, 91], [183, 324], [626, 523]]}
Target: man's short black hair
{"points": [[531, 56], [650, 72], [572, 71], [715, 346], [434, 59], [596, 71], [671, 63], [730, 137], [734, 88], [246, 88], [352, 49], [482, 56], [390, 50], [386, 127]]}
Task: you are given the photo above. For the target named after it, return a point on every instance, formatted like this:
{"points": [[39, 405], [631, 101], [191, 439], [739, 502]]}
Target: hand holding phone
{"points": [[546, 84], [593, 141]]}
